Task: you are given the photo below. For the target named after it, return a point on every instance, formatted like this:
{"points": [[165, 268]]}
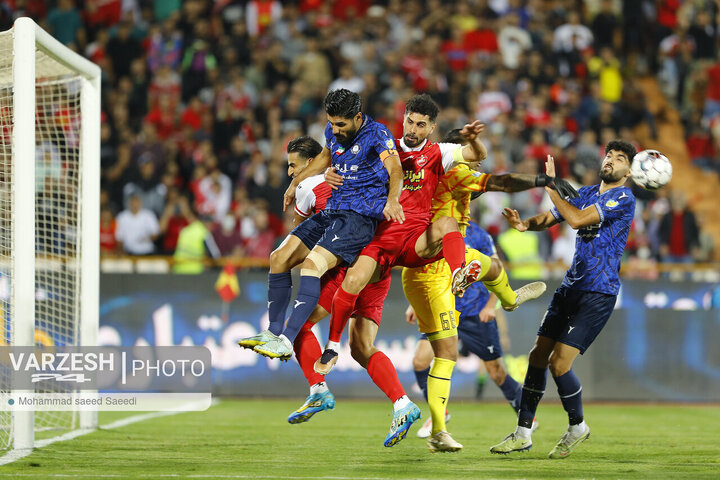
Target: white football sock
{"points": [[577, 430], [401, 402], [320, 387], [333, 346], [523, 432]]}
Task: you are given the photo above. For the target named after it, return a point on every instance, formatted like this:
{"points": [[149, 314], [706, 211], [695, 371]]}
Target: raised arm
{"points": [[475, 150], [317, 166], [575, 217]]}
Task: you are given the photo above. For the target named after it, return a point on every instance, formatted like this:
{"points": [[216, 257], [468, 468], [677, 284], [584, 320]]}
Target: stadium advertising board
{"points": [[656, 346]]}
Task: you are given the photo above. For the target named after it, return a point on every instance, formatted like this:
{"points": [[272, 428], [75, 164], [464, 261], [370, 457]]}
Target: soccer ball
{"points": [[651, 169]]}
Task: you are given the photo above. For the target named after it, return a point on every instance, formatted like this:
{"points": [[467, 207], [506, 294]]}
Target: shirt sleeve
{"points": [[304, 200], [465, 180], [450, 152], [383, 144], [328, 137]]}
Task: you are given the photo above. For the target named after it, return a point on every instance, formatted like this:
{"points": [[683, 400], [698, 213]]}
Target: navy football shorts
{"points": [[482, 339], [575, 318], [342, 232]]}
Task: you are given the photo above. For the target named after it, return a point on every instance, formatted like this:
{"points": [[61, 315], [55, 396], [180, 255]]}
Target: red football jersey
{"points": [[423, 166], [311, 195]]}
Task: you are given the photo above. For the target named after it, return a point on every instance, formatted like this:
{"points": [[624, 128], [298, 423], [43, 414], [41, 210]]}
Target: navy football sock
{"points": [[570, 391], [512, 392], [307, 298], [532, 391], [279, 292], [421, 377]]}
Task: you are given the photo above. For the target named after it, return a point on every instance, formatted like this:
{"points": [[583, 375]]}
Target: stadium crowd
{"points": [[200, 98]]}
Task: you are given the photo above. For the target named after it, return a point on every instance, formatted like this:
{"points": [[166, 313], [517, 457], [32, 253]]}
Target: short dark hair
{"points": [[621, 146], [342, 103], [453, 136], [424, 105], [305, 146]]}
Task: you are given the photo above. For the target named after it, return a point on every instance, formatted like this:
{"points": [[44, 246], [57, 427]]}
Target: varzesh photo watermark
{"points": [[140, 378]]}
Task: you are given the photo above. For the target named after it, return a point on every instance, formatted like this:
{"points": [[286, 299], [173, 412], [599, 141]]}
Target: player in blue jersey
{"points": [[579, 309], [363, 151], [477, 330]]}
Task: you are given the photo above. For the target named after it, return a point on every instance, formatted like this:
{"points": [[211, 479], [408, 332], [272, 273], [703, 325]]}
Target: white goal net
{"points": [[48, 217]]}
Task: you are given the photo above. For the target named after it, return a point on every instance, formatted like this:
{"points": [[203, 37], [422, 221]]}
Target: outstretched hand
{"points": [[513, 219], [550, 166], [471, 130]]}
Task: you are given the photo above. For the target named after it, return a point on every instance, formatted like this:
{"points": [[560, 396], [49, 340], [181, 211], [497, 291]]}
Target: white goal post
{"points": [[49, 208]]}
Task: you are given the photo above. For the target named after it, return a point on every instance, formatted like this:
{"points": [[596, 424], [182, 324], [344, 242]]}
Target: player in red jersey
{"points": [[417, 241], [312, 193]]}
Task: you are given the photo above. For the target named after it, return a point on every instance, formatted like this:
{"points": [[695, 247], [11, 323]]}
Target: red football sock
{"points": [[383, 373], [454, 250], [307, 350], [342, 307]]}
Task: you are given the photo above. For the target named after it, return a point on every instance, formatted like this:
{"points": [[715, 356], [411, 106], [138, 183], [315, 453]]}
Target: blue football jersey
{"points": [[599, 248], [360, 163], [477, 295]]}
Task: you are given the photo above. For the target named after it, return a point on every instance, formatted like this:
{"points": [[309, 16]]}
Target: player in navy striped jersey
{"points": [[363, 150], [578, 311]]}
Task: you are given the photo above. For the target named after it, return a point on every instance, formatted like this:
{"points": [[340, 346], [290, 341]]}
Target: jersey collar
{"points": [[405, 148]]}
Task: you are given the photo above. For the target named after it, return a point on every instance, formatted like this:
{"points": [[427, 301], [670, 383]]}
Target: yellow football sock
{"points": [[501, 287], [438, 389]]}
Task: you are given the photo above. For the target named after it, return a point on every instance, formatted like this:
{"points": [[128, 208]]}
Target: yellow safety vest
{"points": [[521, 248], [190, 249]]}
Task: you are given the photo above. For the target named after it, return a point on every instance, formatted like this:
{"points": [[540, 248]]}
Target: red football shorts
{"points": [[370, 301], [394, 244]]}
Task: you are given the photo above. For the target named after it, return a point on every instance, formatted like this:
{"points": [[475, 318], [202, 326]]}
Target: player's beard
{"points": [[412, 143], [611, 176], [345, 139]]}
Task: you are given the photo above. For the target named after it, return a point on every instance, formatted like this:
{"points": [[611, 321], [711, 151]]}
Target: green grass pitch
{"points": [[252, 439]]}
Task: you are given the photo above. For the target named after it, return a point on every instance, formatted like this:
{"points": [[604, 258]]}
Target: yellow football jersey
{"points": [[452, 195]]}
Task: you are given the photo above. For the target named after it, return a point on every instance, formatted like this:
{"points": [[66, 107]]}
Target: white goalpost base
{"points": [[49, 208]]}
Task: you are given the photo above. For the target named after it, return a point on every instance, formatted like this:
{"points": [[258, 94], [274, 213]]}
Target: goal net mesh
{"points": [[57, 214]]}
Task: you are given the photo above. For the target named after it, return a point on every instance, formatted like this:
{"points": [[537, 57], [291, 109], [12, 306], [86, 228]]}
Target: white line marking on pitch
{"points": [[16, 455]]}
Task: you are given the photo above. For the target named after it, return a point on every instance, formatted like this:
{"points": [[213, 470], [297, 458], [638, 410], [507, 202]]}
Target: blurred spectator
{"points": [[147, 187], [679, 232], [122, 49], [227, 236], [136, 228], [108, 243], [175, 217], [605, 25], [262, 242], [64, 22], [513, 41], [193, 241]]}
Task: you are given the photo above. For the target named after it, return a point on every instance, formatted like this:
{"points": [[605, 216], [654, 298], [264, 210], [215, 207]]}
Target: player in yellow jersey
{"points": [[428, 288]]}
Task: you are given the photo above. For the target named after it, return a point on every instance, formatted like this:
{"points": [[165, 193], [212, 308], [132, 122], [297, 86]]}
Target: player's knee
{"points": [[420, 362], [361, 351], [496, 267], [354, 282], [279, 260], [559, 366], [538, 357], [496, 371]]}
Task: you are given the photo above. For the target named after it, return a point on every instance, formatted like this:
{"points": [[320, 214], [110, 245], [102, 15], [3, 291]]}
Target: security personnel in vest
{"points": [[192, 243], [523, 252]]}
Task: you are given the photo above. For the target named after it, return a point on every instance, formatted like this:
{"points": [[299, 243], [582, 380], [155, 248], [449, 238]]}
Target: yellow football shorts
{"points": [[428, 289]]}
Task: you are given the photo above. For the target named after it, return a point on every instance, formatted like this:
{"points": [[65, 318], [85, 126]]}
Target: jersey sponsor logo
{"points": [[355, 149], [611, 203], [413, 180], [421, 161], [591, 231]]}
